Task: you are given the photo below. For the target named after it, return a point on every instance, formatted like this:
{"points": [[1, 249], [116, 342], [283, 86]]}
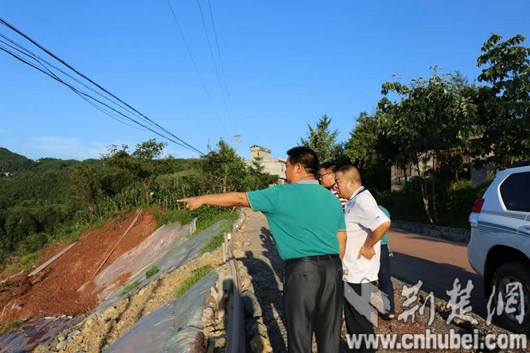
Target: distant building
{"points": [[273, 166]]}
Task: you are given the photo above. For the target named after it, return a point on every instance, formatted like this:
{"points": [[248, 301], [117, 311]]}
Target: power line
{"points": [[42, 62], [182, 142], [46, 71], [192, 59], [87, 97], [213, 59], [122, 105], [221, 63]]}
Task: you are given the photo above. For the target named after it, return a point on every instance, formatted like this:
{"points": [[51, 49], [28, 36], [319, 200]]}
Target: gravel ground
{"points": [[98, 331]]}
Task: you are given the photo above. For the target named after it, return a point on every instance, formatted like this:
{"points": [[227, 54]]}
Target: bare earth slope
{"points": [[54, 290]]}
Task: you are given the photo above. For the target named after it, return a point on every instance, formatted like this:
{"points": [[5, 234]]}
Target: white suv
{"points": [[499, 249]]}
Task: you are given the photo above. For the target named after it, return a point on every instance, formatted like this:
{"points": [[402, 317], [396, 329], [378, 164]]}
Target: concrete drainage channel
{"points": [[145, 316]]}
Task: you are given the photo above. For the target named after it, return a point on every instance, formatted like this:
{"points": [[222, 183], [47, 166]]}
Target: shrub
{"points": [[461, 196], [208, 215], [19, 223], [34, 242], [453, 201], [152, 271], [171, 216]]}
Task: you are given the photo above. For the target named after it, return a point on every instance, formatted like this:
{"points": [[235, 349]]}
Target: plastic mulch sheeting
{"points": [[34, 332], [176, 327], [167, 248], [184, 249], [137, 260]]}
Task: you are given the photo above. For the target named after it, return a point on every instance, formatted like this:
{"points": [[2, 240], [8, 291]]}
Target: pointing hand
{"points": [[192, 203]]}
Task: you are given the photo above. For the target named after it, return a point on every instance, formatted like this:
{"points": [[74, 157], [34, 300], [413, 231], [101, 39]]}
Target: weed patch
{"points": [[152, 271], [129, 287], [194, 277], [11, 325]]}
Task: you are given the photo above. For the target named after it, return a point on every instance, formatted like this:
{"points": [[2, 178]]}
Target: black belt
{"points": [[312, 258]]}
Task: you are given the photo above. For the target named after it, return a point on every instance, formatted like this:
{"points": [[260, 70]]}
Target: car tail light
{"points": [[477, 206]]}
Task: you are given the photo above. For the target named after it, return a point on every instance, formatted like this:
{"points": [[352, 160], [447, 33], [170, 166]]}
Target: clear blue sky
{"points": [[286, 63]]}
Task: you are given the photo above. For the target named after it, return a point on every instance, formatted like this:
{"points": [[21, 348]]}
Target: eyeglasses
{"points": [[322, 175]]}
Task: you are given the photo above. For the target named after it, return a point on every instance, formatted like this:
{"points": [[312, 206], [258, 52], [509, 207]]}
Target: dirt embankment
{"points": [[56, 289]]}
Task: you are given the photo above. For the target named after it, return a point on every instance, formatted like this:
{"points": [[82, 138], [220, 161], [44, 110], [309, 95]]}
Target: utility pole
{"points": [[236, 141]]}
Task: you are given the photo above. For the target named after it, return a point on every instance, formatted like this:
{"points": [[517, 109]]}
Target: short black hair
{"points": [[331, 166], [350, 169], [305, 156]]}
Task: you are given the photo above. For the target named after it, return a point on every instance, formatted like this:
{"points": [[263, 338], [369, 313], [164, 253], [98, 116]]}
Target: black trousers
{"points": [[356, 323], [385, 282], [313, 300]]}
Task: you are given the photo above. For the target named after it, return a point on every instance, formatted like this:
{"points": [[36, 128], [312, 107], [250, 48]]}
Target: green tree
{"points": [[223, 168], [257, 178], [85, 182], [322, 140], [362, 147], [365, 149], [144, 164], [426, 127], [171, 187], [225, 171], [502, 127], [19, 224]]}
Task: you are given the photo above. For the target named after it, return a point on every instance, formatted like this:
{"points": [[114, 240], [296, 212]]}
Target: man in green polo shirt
{"points": [[308, 226]]}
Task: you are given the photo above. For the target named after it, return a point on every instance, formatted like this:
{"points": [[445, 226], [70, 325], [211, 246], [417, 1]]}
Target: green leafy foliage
{"points": [[460, 199], [53, 200], [217, 240], [143, 164], [366, 150], [224, 171], [431, 120], [10, 326], [322, 140], [152, 271], [12, 163], [194, 277], [172, 216], [456, 200], [502, 126], [131, 286]]}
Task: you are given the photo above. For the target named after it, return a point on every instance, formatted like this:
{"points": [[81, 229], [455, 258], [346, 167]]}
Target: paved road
{"points": [[437, 263]]}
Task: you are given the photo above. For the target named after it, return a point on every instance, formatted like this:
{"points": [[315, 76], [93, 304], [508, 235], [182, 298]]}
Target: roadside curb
{"points": [[447, 233]]}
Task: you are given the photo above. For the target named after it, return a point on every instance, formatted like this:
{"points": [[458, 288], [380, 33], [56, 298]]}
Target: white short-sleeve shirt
{"points": [[362, 217]]}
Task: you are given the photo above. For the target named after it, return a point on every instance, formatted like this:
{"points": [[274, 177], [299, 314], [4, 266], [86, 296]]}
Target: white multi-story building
{"points": [[273, 166]]}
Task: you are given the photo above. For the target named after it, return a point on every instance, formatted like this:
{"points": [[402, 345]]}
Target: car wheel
{"points": [[513, 272]]}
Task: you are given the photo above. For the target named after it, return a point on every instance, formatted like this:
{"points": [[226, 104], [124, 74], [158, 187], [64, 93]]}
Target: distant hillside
{"points": [[50, 199], [12, 162]]}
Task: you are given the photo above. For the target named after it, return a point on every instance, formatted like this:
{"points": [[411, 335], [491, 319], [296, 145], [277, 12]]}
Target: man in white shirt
{"points": [[365, 226]]}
